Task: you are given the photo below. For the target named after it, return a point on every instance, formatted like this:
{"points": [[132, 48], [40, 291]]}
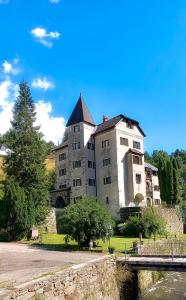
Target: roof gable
{"points": [[80, 114], [111, 123]]}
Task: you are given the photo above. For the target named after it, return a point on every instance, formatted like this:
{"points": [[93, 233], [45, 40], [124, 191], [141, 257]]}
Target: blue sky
{"points": [[124, 56]]}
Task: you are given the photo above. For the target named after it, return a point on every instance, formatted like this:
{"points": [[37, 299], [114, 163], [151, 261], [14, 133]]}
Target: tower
{"points": [[81, 152]]}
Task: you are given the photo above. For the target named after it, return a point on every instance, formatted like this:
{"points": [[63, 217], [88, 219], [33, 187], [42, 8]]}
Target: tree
{"points": [[147, 224], [169, 172], [25, 166], [87, 221]]}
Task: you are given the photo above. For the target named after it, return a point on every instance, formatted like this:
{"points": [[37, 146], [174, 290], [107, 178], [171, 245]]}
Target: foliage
{"points": [[26, 193], [170, 172], [147, 224], [87, 220], [51, 179]]}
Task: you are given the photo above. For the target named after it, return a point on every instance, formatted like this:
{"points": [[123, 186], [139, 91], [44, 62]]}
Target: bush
{"points": [[147, 224], [87, 221]]}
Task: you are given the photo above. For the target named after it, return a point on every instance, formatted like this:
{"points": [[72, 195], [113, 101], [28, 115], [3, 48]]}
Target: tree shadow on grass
{"points": [[63, 248]]}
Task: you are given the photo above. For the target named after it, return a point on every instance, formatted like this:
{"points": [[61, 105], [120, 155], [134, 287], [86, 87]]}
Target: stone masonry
{"points": [[95, 280]]}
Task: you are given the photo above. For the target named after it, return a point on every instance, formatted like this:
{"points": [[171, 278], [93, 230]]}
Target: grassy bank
{"points": [[57, 242]]}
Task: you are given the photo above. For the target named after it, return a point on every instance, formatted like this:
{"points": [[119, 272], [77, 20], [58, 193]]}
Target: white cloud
{"points": [[45, 38], [55, 1], [42, 83], [8, 92], [11, 68], [52, 127], [5, 1]]}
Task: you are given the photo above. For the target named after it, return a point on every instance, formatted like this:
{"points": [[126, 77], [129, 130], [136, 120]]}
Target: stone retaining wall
{"points": [[95, 280], [174, 224]]}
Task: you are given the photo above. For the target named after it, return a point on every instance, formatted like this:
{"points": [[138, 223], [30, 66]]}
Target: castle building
{"points": [[104, 161], [152, 185]]}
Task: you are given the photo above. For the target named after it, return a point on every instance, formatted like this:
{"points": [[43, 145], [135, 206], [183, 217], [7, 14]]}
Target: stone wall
{"points": [[50, 225], [174, 224], [95, 280]]}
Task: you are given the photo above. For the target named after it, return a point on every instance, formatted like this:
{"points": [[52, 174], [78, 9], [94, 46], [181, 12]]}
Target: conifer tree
{"points": [[25, 166]]}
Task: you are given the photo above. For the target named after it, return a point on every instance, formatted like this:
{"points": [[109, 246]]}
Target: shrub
{"points": [[148, 224], [87, 221]]}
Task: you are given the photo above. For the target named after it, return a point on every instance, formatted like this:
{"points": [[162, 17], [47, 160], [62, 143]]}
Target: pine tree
{"points": [[177, 181], [25, 167], [170, 198]]}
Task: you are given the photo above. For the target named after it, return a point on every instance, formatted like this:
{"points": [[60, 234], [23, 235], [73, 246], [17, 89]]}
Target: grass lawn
{"points": [[57, 242]]}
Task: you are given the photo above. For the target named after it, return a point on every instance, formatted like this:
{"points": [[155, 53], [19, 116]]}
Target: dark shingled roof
{"points": [[111, 123], [63, 145], [80, 114]]}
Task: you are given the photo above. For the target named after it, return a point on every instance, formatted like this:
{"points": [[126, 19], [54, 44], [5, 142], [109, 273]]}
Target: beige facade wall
{"points": [[109, 190], [83, 154], [127, 171], [61, 180], [123, 188]]}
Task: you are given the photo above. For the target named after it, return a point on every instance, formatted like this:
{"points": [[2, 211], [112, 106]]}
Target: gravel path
{"points": [[21, 263]]}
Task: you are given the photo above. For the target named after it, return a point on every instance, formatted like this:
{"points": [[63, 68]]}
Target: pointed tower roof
{"points": [[80, 114]]}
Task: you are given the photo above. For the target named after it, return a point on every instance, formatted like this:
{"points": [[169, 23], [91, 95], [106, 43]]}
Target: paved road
{"points": [[21, 263]]}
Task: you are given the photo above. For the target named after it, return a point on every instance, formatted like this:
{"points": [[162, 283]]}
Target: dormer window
{"points": [[129, 125]]}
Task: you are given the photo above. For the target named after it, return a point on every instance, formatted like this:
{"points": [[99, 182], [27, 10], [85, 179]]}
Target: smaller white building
{"points": [[152, 185]]}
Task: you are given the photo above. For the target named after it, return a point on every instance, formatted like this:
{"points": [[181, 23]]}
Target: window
{"points": [[157, 202], [91, 182], [107, 200], [90, 146], [106, 162], [105, 143], [78, 198], [138, 178], [156, 188], [129, 125], [124, 141], [76, 146], [155, 173], [107, 180], [76, 164], [76, 128], [62, 186], [137, 160], [136, 145], [77, 182], [91, 164], [62, 172], [62, 156]]}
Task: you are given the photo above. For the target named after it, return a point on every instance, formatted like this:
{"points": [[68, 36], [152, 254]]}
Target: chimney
{"points": [[105, 119]]}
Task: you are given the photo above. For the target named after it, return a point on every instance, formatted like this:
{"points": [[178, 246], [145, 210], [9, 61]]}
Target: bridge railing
{"points": [[167, 247]]}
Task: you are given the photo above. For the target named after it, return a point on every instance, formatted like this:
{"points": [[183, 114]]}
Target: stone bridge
{"points": [[175, 264]]}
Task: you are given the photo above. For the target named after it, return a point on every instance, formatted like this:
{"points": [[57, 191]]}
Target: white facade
{"points": [[104, 161]]}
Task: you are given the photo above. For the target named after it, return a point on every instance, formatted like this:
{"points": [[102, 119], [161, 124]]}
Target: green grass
{"points": [[57, 242]]}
